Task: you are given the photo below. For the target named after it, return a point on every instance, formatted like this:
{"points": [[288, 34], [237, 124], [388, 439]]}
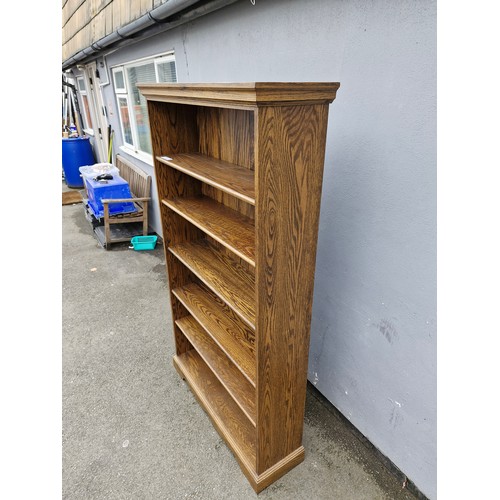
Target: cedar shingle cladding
{"points": [[87, 21]]}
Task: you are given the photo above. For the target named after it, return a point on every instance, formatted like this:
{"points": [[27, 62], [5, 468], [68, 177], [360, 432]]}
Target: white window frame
{"points": [[119, 90], [125, 92], [86, 125], [80, 79], [125, 143]]}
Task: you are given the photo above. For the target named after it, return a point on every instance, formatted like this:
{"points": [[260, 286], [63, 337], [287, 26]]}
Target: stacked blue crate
{"points": [[115, 188]]}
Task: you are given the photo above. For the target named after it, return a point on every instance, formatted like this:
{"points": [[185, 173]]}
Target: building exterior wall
{"points": [[373, 336]]}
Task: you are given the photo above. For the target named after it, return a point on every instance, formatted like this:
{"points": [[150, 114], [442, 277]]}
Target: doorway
{"points": [[98, 112]]}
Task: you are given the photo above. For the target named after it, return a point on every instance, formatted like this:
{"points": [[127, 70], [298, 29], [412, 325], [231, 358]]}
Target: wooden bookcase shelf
{"points": [[240, 389], [239, 170], [225, 413], [222, 274], [229, 178], [227, 226], [235, 338]]}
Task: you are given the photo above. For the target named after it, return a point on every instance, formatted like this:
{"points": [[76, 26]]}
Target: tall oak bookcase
{"points": [[239, 169]]}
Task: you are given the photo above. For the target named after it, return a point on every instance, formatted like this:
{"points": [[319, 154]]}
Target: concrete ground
{"points": [[131, 427]]}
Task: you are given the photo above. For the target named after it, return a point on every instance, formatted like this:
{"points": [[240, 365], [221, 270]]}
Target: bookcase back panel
{"points": [[229, 201], [227, 134], [182, 344], [222, 249], [224, 134], [174, 184]]}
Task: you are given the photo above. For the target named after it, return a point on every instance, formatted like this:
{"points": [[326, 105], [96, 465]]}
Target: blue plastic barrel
{"points": [[76, 153]]}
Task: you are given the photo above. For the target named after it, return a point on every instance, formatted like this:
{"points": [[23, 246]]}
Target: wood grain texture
{"points": [[227, 134], [222, 274], [226, 372], [222, 249], [173, 129], [229, 201], [227, 226], [289, 171], [235, 262], [228, 331], [138, 180], [270, 475], [242, 95], [227, 177], [227, 417], [229, 422]]}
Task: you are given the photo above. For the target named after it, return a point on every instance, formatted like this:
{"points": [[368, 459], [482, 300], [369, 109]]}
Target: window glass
{"points": [[141, 74], [119, 81], [125, 118], [87, 118], [81, 84], [166, 72]]}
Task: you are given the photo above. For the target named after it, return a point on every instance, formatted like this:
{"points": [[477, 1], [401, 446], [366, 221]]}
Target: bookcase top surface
{"points": [[250, 94]]}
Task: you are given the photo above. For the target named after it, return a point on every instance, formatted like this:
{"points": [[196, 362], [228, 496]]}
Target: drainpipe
{"points": [[147, 25]]}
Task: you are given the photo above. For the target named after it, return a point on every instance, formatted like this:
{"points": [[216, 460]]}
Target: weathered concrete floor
{"points": [[131, 427]]}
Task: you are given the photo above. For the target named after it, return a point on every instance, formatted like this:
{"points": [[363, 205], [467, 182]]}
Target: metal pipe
{"points": [[169, 8], [135, 26], [107, 40], [125, 35], [154, 16]]}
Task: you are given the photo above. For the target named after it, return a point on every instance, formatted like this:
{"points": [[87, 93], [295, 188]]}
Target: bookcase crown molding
{"points": [[242, 94]]}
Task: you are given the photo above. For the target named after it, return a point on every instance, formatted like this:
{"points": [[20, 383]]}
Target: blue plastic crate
{"points": [[115, 188], [144, 242]]}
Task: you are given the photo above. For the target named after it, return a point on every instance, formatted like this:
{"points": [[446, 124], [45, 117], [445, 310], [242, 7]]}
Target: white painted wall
{"points": [[373, 338]]}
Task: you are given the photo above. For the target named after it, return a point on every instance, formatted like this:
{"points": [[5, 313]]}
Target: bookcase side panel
{"points": [[289, 171]]}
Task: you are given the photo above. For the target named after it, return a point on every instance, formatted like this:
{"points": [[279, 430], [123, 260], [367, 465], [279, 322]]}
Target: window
{"points": [[132, 107], [119, 81], [87, 119]]}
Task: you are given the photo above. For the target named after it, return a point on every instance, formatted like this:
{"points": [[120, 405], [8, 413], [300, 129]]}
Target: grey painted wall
{"points": [[373, 338]]}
